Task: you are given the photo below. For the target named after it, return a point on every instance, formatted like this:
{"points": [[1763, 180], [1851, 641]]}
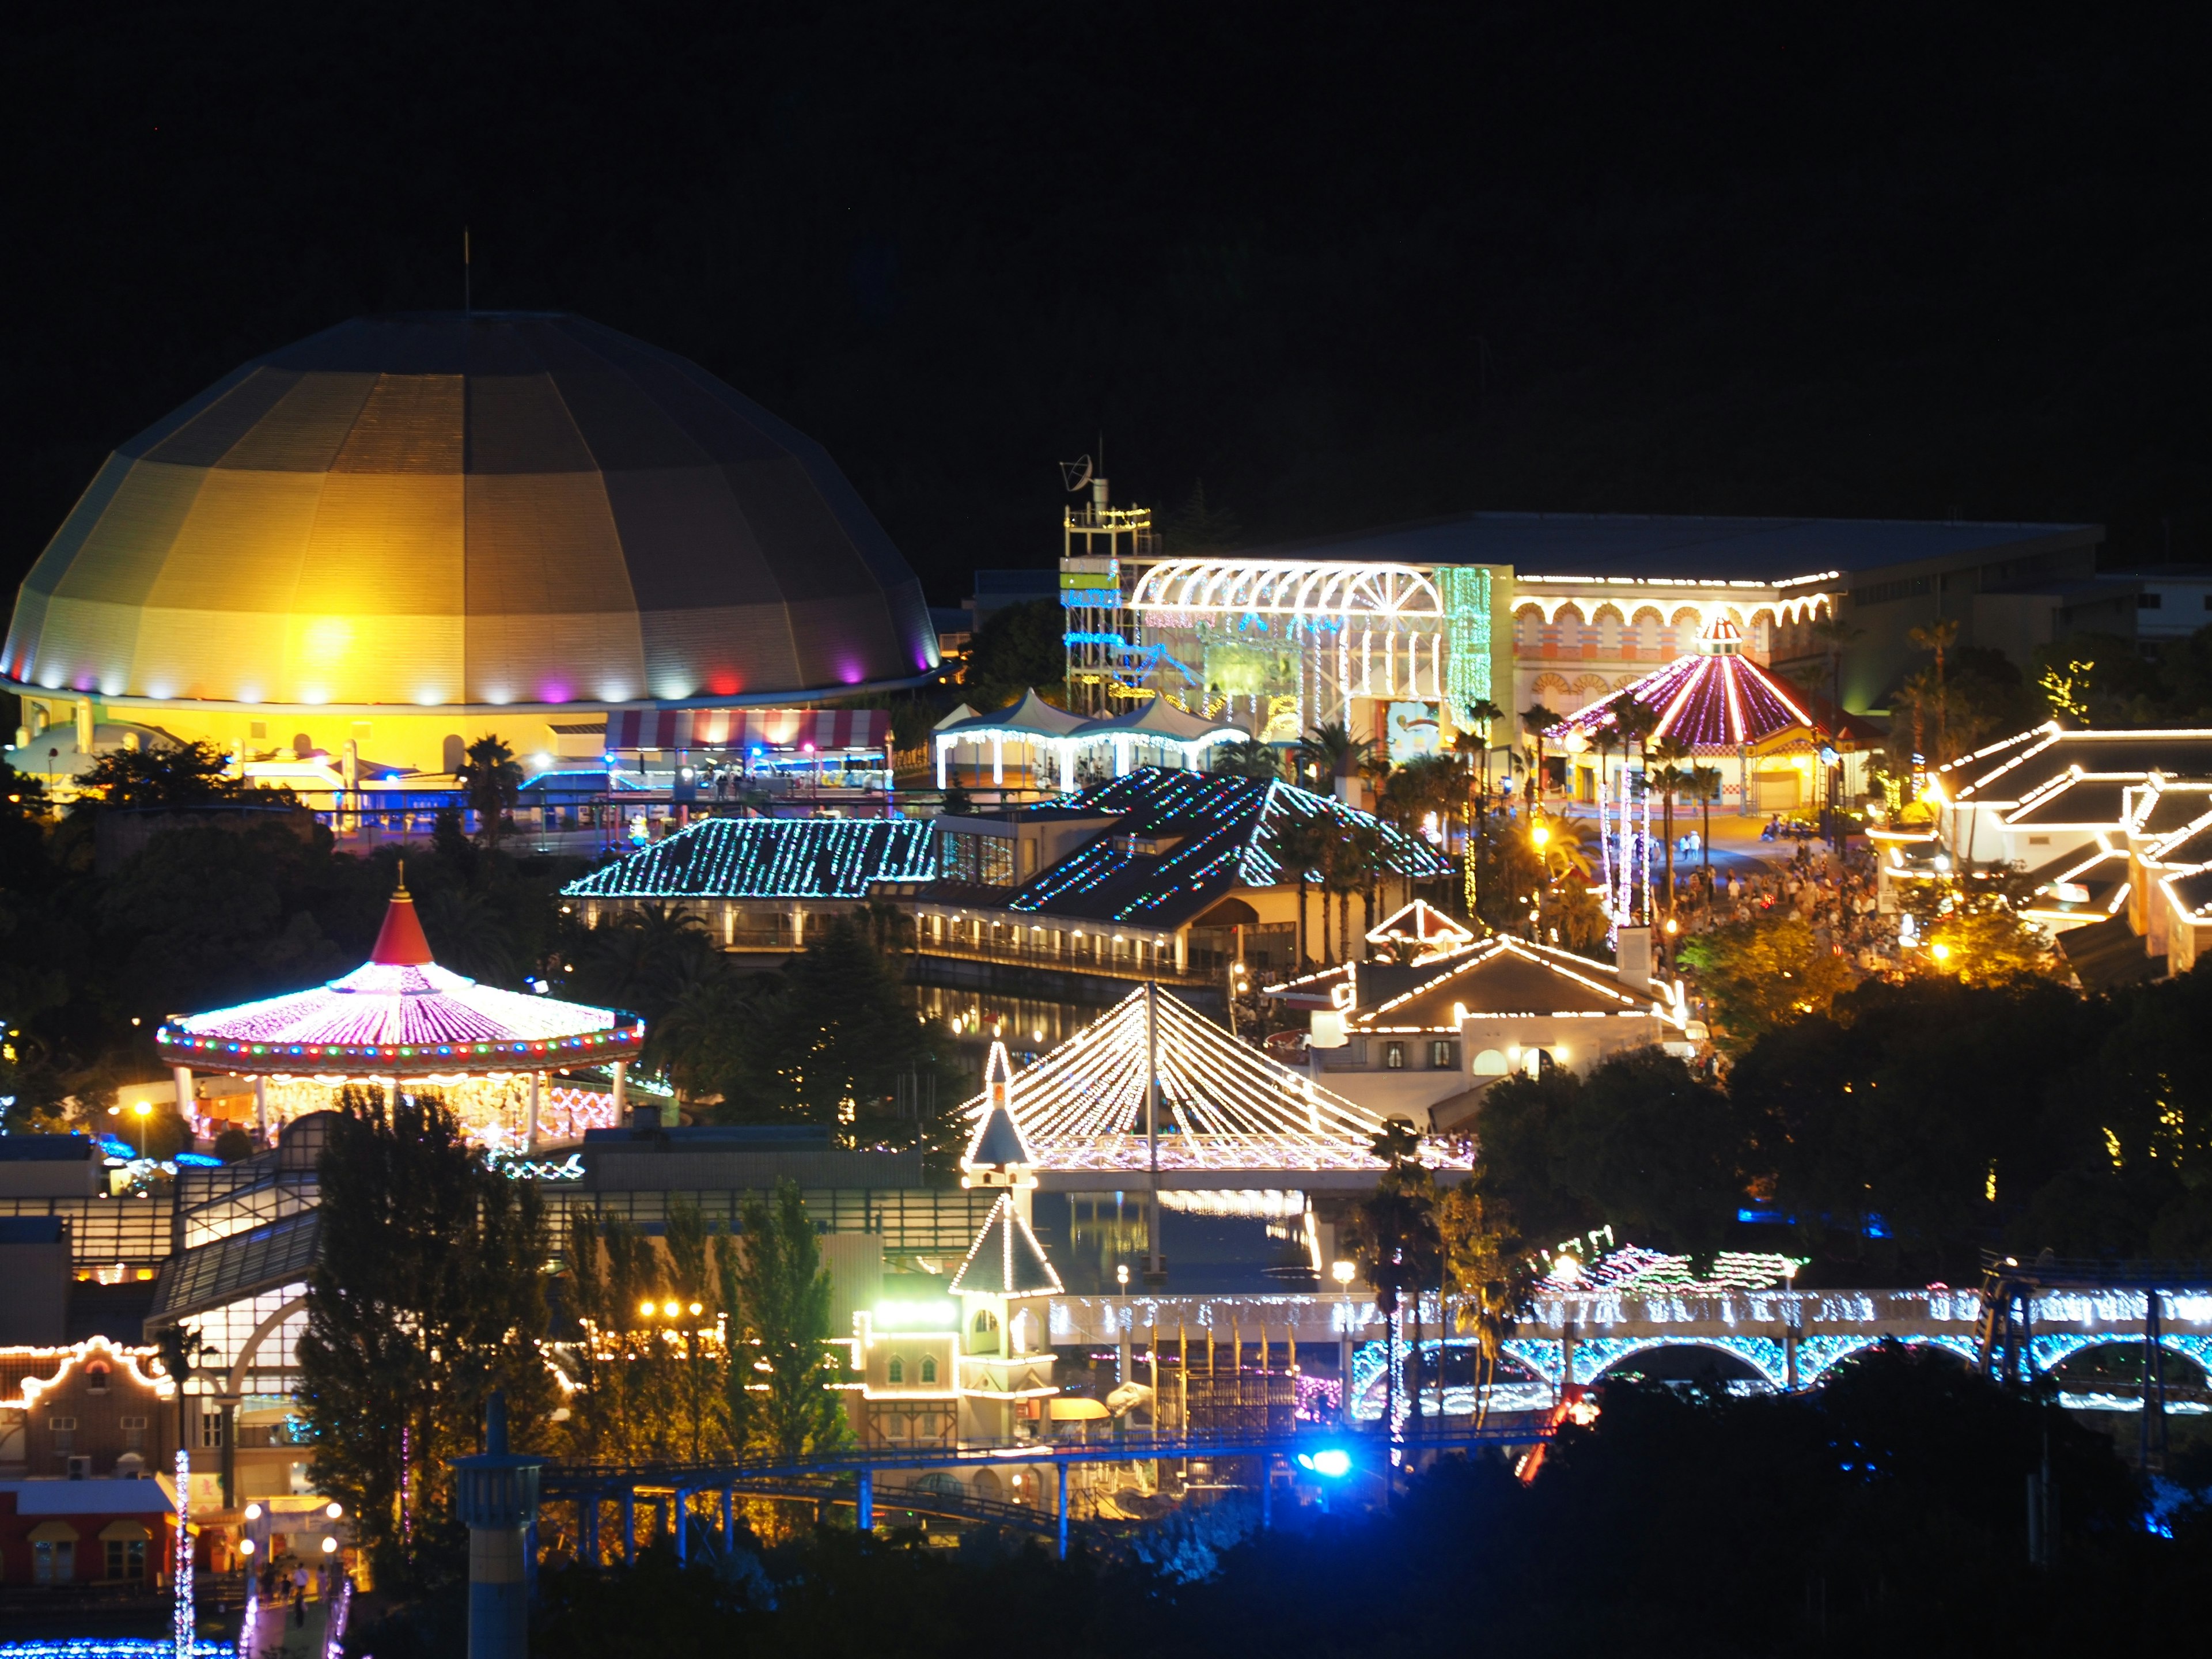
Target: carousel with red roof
{"points": [[505, 1062]]}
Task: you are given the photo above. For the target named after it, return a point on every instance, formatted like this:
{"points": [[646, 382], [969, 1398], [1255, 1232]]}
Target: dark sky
{"points": [[1346, 264]]}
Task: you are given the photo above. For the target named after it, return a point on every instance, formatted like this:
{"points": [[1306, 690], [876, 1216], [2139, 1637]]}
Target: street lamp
{"points": [[141, 1108]]}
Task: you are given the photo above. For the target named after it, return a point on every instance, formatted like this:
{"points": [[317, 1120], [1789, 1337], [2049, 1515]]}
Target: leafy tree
{"points": [[1489, 1267], [493, 782], [1017, 648], [774, 1280], [1971, 929], [1762, 973], [1300, 846], [170, 775], [1637, 1143], [427, 1293], [1195, 525]]}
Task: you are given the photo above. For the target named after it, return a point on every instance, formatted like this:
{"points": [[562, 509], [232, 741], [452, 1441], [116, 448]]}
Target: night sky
{"points": [[1347, 265]]}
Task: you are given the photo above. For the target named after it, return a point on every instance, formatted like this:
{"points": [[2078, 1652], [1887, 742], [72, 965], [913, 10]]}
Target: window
{"points": [[127, 1558], [64, 1433], [134, 1433], [211, 1429], [1444, 1054], [1394, 1056], [929, 1368], [96, 1378], [2150, 601], [53, 1561], [897, 1372]]}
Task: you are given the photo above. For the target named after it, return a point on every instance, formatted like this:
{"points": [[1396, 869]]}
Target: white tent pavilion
{"points": [[1227, 1117]]}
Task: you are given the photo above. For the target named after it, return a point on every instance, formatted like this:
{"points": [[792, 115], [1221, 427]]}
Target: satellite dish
{"points": [[1077, 473]]}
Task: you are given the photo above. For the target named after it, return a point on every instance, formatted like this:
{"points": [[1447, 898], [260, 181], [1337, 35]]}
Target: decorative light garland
{"points": [[770, 858], [180, 1615], [1223, 1105]]}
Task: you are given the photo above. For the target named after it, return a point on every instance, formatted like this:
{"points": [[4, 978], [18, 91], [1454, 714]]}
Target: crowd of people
{"points": [[1833, 891]]}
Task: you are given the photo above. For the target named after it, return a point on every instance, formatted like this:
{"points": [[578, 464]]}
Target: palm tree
{"points": [[1538, 720], [1939, 637], [1668, 778], [1481, 714], [1706, 787], [1247, 757], [1343, 873], [1635, 721], [1330, 750], [494, 783], [1298, 844]]}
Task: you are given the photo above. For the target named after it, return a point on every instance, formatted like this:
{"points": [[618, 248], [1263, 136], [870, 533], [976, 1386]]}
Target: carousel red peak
{"points": [[400, 943]]}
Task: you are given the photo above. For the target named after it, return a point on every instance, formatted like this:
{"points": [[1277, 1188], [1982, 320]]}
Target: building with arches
{"points": [[1396, 631]]}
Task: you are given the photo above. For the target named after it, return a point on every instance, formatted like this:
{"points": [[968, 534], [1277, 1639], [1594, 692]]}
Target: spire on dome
{"points": [[1723, 637], [400, 942], [997, 1155]]}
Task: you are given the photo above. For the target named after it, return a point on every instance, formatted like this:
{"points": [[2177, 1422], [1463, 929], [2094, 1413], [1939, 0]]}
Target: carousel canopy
{"points": [[1028, 716], [401, 1015], [1714, 700]]}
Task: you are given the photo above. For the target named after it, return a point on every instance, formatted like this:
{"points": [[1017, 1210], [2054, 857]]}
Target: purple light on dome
{"points": [[555, 691]]}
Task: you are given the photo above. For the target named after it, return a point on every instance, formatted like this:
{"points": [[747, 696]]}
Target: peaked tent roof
{"points": [[770, 858], [1006, 1259], [1156, 717], [1210, 831], [1223, 1105], [400, 1014], [1029, 715]]}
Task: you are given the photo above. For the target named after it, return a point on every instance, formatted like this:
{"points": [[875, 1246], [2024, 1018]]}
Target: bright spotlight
{"points": [[1334, 1462]]}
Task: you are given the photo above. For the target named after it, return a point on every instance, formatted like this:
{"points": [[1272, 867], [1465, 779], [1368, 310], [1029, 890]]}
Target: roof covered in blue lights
{"points": [[770, 858], [1183, 840]]}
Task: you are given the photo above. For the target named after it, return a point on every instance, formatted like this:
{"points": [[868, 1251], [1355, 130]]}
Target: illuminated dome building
{"points": [[399, 1020], [409, 530]]}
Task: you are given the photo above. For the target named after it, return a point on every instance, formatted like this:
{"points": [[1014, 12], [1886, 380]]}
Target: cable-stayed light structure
{"points": [[1223, 1106]]}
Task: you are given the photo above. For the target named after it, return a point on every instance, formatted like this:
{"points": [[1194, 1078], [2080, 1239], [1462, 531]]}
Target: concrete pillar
{"points": [[496, 1496], [185, 1099], [998, 762], [84, 725], [622, 1094], [261, 1108], [536, 1079]]}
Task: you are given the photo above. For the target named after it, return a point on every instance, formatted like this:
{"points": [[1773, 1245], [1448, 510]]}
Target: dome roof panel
{"points": [[557, 512]]}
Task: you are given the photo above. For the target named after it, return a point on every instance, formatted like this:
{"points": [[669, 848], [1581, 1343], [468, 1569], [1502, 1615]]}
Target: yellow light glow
{"points": [[325, 641], [646, 1308], [1941, 952], [696, 1307], [671, 1309], [1540, 836]]}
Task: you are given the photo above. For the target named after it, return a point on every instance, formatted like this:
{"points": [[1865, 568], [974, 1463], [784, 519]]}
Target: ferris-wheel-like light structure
{"points": [[1223, 1106]]}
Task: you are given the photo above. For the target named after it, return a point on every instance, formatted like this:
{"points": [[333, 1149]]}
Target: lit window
{"points": [[211, 1430], [1394, 1056], [1443, 1055], [897, 1371]]}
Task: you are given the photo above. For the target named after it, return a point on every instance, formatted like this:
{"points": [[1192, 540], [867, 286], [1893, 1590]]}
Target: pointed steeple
{"points": [[1006, 1259], [997, 1155], [400, 942]]}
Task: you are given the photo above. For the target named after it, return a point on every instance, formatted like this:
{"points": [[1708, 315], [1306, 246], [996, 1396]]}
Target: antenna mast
{"points": [[468, 307]]}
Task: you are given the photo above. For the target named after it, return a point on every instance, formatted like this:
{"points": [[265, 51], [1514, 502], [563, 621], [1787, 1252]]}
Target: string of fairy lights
{"points": [[1228, 831], [771, 858]]}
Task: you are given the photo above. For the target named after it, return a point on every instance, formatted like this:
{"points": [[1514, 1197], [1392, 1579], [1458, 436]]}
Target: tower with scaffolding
{"points": [[1107, 664]]}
